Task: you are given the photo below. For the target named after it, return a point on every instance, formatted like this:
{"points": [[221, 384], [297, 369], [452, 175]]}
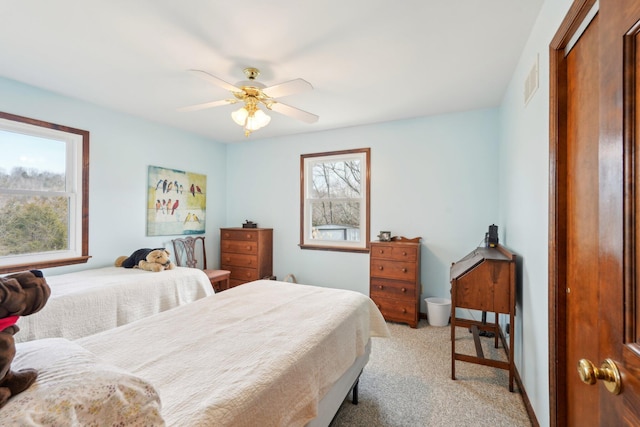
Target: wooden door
{"points": [[595, 163], [582, 219]]}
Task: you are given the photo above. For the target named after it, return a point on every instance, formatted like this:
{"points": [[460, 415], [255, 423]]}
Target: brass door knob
{"points": [[608, 372]]}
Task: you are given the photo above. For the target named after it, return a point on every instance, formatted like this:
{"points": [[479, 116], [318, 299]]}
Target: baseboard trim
{"points": [[525, 399]]}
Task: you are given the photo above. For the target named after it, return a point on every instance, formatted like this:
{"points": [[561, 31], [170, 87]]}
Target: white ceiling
{"points": [[368, 61]]}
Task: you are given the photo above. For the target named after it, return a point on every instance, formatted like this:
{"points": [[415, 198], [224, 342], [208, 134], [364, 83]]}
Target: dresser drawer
{"points": [[239, 260], [397, 310], [239, 235], [395, 252], [388, 289], [245, 274], [239, 246], [393, 269]]}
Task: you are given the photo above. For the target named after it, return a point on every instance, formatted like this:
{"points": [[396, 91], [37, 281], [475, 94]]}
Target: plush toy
{"points": [[21, 294], [147, 259]]}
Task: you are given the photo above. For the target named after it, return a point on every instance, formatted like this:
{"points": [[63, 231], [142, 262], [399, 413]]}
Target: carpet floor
{"points": [[407, 382]]}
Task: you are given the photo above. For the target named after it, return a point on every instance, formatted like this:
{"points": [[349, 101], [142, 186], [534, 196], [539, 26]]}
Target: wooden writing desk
{"points": [[484, 280]]}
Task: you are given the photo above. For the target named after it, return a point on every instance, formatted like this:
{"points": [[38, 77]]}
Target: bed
{"points": [[265, 353], [90, 301]]}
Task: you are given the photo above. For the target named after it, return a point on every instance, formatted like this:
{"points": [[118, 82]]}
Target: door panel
{"points": [[582, 219], [607, 185], [627, 348]]}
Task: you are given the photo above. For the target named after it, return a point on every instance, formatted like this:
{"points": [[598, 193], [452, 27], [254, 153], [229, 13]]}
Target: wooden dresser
{"points": [[395, 280], [247, 253]]}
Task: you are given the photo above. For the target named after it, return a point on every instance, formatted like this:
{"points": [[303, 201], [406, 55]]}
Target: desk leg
{"points": [[476, 341], [511, 349], [453, 341]]}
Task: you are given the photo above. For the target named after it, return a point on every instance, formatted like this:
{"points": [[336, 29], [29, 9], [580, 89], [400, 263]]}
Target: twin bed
{"points": [[265, 353], [90, 301]]}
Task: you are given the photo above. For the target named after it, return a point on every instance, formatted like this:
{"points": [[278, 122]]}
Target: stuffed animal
{"points": [[147, 259], [21, 294]]}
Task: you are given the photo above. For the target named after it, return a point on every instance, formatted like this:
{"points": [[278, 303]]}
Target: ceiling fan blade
{"points": [[216, 81], [294, 112], [208, 105], [287, 88]]}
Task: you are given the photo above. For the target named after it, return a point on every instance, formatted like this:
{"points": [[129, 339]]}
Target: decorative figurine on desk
{"points": [[384, 236], [492, 236], [249, 224]]}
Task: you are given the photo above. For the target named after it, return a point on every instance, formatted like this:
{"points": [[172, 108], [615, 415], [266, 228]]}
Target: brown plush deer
{"points": [[21, 294]]}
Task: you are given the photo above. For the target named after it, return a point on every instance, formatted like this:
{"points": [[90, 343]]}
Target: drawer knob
{"points": [[404, 270], [404, 253], [248, 236], [380, 287], [381, 251], [380, 268], [404, 310], [404, 289], [248, 248]]}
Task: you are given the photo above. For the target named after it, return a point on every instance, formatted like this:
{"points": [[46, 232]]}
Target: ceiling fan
{"points": [[253, 94]]}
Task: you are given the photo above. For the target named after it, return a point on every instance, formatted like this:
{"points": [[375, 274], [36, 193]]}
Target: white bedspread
{"points": [[263, 353], [91, 301]]}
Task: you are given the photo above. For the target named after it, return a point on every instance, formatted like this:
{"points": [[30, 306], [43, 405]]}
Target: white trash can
{"points": [[438, 311]]}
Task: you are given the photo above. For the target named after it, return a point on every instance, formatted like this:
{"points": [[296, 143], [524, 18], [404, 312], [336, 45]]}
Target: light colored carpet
{"points": [[407, 382]]}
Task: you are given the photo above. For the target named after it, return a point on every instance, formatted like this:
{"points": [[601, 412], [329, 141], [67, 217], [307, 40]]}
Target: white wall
{"points": [[121, 149], [524, 204], [434, 177]]}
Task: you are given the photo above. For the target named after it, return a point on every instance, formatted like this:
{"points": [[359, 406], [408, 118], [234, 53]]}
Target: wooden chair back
{"points": [[186, 251]]}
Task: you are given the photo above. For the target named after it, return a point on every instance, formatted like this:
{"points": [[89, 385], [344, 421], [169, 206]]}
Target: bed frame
{"points": [[348, 382]]}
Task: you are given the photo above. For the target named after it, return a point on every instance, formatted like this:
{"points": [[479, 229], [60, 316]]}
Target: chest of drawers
{"points": [[247, 253], [394, 280]]}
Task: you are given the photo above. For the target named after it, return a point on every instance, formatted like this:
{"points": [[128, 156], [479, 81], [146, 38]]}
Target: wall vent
{"points": [[531, 82]]}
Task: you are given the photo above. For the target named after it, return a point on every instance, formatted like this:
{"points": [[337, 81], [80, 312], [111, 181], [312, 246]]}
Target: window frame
{"points": [[80, 253], [364, 228]]}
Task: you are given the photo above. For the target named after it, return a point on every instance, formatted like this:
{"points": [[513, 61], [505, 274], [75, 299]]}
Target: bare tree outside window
{"points": [[335, 208]]}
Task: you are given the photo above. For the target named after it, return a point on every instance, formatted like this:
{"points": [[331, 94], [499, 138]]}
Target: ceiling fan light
{"points": [[262, 118], [240, 116], [257, 120]]}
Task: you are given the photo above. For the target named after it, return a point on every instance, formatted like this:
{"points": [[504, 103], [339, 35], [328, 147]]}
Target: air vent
{"points": [[531, 82]]}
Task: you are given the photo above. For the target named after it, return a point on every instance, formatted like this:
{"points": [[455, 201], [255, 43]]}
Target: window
{"points": [[334, 200], [44, 181]]}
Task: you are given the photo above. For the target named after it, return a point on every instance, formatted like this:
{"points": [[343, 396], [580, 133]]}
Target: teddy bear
{"points": [[147, 259], [21, 294]]}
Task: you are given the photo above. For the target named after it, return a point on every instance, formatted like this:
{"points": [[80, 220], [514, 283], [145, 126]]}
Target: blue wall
{"points": [[434, 177], [121, 149], [524, 204]]}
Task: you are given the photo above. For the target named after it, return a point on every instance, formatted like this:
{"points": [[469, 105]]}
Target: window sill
{"points": [[42, 265], [334, 248]]}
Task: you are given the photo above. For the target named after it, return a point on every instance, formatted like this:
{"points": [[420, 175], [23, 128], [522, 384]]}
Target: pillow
{"points": [[75, 388]]}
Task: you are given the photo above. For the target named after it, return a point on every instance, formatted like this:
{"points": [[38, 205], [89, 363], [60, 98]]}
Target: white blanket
{"points": [[91, 301], [263, 353]]}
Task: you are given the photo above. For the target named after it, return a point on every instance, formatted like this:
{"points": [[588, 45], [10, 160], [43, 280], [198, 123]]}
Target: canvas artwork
{"points": [[176, 202]]}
